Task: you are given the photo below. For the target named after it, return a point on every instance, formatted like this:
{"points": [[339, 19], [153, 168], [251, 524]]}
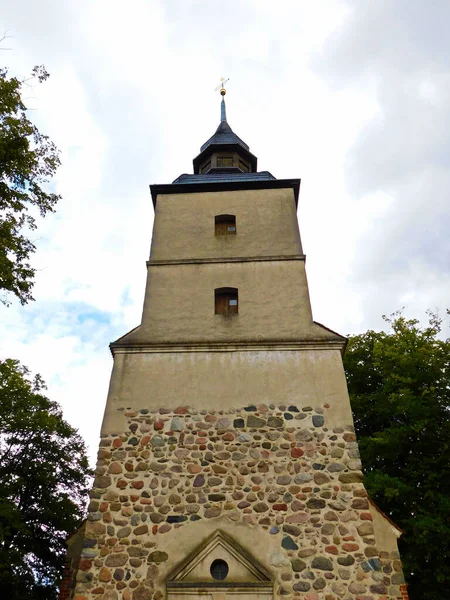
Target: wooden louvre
{"points": [[226, 301], [225, 225], [224, 161]]}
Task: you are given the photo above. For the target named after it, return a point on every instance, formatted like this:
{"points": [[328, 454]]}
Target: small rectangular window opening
{"points": [[225, 224], [224, 161], [226, 301]]}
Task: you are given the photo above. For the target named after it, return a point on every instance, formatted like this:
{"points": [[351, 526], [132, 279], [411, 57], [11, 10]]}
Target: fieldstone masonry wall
{"points": [[277, 469]]}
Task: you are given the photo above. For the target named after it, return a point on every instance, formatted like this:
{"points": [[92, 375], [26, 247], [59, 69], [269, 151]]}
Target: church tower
{"points": [[228, 465]]}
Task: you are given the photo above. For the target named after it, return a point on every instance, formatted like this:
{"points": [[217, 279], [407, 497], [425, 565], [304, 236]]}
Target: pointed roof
{"points": [[222, 178], [224, 135], [224, 139]]}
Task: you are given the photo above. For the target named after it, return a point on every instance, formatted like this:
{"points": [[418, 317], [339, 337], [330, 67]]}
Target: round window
{"points": [[219, 569]]}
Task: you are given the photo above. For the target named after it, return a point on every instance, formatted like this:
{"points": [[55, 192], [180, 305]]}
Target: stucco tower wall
{"points": [[232, 379], [264, 261], [265, 219]]}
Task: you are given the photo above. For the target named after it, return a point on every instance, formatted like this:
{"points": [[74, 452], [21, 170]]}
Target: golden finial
{"points": [[221, 87]]}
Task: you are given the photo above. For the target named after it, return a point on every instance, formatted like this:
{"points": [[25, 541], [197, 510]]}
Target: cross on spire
{"points": [[221, 87], [223, 91]]}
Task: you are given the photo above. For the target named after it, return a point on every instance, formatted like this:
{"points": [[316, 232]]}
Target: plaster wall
{"points": [[219, 380], [384, 531], [266, 225], [273, 303]]}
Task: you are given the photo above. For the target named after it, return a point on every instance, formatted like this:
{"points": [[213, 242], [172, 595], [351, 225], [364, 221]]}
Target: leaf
{"points": [[44, 476], [28, 161], [399, 385]]}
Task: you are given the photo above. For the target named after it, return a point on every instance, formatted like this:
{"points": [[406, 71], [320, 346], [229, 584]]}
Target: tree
{"points": [[399, 384], [28, 159], [43, 484]]}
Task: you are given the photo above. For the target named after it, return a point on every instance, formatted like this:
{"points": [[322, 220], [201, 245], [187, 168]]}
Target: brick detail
{"points": [[66, 585], [404, 592]]}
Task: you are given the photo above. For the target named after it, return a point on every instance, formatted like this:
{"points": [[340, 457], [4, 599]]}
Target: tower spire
{"points": [[223, 91], [223, 110]]}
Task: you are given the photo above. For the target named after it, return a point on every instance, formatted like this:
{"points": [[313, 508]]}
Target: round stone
{"points": [[335, 467], [275, 422], [102, 482], [104, 575], [141, 593], [274, 530], [315, 503], [284, 480], [123, 532], [115, 468], [322, 563], [296, 452], [298, 565], [141, 530], [319, 583], [288, 543], [157, 441], [199, 481], [255, 422], [158, 556], [260, 507], [354, 477], [302, 586], [346, 561], [320, 478], [177, 424], [365, 529], [116, 560]]}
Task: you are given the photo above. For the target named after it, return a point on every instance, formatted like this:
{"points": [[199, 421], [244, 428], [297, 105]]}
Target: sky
{"points": [[350, 96]]}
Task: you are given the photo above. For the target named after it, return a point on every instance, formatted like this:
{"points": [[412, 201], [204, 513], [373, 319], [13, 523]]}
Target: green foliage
{"points": [[399, 384], [28, 159], [43, 484]]}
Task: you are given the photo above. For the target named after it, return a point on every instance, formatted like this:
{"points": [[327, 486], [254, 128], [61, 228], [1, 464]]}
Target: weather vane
{"points": [[221, 87]]}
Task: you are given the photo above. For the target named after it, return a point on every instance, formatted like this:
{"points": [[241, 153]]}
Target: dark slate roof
{"points": [[224, 177], [224, 135]]}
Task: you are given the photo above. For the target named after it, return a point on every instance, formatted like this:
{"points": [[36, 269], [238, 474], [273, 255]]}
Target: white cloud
{"points": [[349, 96]]}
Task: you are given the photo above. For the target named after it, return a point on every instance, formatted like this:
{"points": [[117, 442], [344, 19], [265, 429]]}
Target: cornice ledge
{"points": [[224, 186], [267, 346], [252, 587], [231, 259]]}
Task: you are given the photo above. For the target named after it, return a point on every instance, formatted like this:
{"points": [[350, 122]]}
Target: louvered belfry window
{"points": [[226, 301], [225, 224], [224, 161]]}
